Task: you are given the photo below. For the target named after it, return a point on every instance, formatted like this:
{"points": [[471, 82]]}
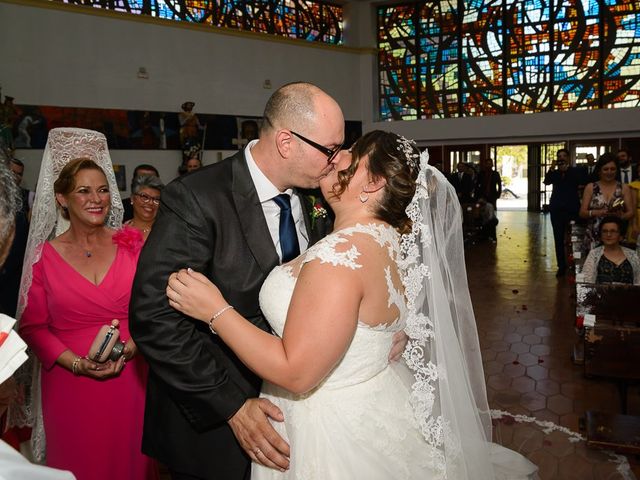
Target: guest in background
{"points": [[139, 171], [634, 225], [603, 198], [145, 199], [12, 464], [564, 204], [588, 171], [11, 270], [489, 188], [193, 164], [627, 171], [488, 183], [611, 262], [462, 181], [93, 412]]}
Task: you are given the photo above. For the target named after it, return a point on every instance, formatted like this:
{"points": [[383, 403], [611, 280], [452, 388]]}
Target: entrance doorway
{"points": [[511, 162]]}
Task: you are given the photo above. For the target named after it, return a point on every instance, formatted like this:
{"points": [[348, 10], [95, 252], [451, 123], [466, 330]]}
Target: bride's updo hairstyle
{"points": [[393, 158], [66, 181]]}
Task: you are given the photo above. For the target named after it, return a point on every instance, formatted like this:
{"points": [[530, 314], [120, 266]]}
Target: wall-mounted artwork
{"points": [[28, 126]]}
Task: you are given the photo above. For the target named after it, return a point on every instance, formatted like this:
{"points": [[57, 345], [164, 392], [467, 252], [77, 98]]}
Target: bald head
{"points": [[292, 104]]}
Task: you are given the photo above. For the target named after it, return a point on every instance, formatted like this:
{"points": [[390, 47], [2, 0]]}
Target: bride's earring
{"points": [[364, 196]]}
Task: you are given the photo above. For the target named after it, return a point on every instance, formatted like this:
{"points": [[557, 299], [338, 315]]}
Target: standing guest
{"points": [[92, 412], [11, 270], [462, 181], [627, 172], [564, 204], [17, 167], [611, 262], [139, 171], [145, 199], [193, 164], [605, 197], [12, 464], [634, 226], [588, 171], [489, 187]]}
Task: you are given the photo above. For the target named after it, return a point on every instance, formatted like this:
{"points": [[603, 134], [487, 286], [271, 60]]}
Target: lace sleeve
{"points": [[336, 250]]}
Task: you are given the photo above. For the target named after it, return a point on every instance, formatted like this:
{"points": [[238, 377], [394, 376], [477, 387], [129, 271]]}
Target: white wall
{"points": [[55, 57]]}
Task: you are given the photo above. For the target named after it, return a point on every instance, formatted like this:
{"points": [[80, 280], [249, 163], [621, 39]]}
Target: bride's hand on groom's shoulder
{"points": [[194, 295], [256, 435]]}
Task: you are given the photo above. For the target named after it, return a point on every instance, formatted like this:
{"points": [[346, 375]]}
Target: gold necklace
{"points": [[144, 230]]}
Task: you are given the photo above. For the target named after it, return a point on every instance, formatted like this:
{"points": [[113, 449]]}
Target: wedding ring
{"points": [[257, 451]]}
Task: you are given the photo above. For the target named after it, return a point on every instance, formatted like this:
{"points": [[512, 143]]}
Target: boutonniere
{"points": [[317, 210]]}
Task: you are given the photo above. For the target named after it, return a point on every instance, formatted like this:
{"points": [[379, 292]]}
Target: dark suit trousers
{"points": [[560, 222], [185, 476]]}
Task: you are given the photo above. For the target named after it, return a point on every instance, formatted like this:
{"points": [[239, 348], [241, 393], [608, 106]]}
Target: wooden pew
{"points": [[611, 352]]}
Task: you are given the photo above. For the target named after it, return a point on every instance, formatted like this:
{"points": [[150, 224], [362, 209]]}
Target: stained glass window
{"points": [[445, 58], [310, 20]]}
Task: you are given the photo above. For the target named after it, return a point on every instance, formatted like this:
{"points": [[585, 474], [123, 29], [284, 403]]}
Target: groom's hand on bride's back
{"points": [[400, 340], [257, 437]]}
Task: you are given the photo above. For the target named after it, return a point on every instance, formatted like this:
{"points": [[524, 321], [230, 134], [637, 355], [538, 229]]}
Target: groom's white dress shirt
{"points": [[266, 193]]}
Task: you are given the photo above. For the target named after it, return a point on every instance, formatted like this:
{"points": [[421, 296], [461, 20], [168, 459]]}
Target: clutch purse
{"points": [[107, 344]]}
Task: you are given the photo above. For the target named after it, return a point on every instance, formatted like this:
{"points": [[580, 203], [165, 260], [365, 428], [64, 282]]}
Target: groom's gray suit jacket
{"points": [[211, 221]]}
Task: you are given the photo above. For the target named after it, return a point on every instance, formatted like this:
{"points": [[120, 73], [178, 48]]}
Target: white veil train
{"points": [[448, 387], [63, 145]]}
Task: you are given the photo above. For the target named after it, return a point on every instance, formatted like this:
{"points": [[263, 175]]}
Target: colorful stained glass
{"points": [[311, 20], [576, 55], [486, 57], [482, 40], [621, 59]]}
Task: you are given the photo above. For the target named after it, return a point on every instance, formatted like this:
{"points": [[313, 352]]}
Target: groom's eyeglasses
{"points": [[330, 153]]}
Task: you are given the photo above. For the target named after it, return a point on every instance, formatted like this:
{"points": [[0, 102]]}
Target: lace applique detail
{"points": [[325, 251]]}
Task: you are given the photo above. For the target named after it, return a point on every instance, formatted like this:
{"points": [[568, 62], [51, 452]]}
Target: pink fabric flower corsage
{"points": [[129, 238]]}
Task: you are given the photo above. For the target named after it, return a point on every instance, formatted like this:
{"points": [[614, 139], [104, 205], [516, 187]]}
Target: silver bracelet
{"points": [[216, 315]]}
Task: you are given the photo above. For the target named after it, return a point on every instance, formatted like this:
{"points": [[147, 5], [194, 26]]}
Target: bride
{"points": [[394, 261]]}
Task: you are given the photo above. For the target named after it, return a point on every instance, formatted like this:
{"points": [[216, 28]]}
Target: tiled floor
{"points": [[524, 316]]}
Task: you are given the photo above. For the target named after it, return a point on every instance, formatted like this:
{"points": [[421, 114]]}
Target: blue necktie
{"points": [[288, 236]]}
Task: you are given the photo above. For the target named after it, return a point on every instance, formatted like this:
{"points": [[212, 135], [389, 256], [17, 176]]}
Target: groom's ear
{"points": [[284, 142]]}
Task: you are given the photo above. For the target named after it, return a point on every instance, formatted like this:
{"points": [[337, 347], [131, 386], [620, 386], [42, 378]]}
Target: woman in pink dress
{"points": [[92, 412]]}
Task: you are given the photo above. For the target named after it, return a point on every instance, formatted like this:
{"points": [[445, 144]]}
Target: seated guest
{"points": [[603, 198], [73, 285], [145, 199], [140, 170], [611, 262]]}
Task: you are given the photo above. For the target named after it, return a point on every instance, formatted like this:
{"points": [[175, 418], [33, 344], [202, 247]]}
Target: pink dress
{"points": [[93, 428]]}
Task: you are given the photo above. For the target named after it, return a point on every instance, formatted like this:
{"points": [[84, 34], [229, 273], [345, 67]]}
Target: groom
{"points": [[232, 222]]}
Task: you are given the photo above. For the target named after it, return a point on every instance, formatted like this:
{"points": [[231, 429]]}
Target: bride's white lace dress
{"points": [[358, 423]]}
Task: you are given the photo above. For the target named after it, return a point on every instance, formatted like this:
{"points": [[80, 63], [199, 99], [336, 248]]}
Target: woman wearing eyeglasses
{"points": [[145, 199], [611, 262]]}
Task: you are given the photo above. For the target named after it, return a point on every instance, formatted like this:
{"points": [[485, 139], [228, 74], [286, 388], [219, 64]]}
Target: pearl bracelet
{"points": [[216, 315]]}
